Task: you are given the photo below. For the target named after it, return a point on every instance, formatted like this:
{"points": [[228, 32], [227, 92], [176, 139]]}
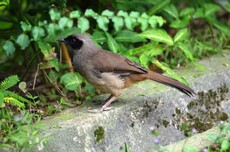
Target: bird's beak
{"points": [[61, 40]]}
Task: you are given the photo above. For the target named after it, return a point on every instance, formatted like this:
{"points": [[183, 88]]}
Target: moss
{"points": [[132, 124], [223, 116], [204, 112], [177, 110], [190, 105], [165, 123], [99, 134]]}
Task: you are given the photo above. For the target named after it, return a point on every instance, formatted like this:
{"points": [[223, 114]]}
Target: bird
{"points": [[111, 72]]}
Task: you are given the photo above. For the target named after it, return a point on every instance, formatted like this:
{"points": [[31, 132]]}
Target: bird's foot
{"points": [[99, 110]]}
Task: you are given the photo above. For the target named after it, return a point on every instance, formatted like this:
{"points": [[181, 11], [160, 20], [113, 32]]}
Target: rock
{"points": [[145, 108]]}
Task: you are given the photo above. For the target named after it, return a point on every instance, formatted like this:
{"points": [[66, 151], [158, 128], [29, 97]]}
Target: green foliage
{"points": [[157, 35], [223, 139], [10, 97], [117, 28], [17, 131], [127, 149], [23, 41], [71, 81], [9, 82], [9, 48]]}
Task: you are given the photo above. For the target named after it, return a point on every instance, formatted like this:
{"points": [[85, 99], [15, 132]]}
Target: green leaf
{"points": [[128, 36], [213, 137], [145, 60], [113, 46], [61, 34], [38, 33], [122, 13], [118, 23], [146, 48], [9, 82], [199, 13], [157, 35], [160, 5], [180, 23], [9, 48], [54, 14], [147, 55], [65, 22], [22, 86], [130, 22], [4, 2], [5, 25], [14, 101], [143, 20], [181, 35], [160, 21], [75, 14], [219, 25], [16, 96], [83, 24], [42, 23], [71, 81], [165, 68], [23, 41], [53, 75], [187, 11], [211, 8], [107, 13], [52, 28], [25, 27], [153, 21], [1, 98], [99, 36], [45, 48], [90, 12], [186, 51], [54, 62], [127, 149], [171, 10], [136, 14], [189, 149], [225, 145], [103, 23]]}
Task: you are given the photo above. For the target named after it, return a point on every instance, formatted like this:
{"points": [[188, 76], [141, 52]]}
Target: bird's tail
{"points": [[170, 82]]}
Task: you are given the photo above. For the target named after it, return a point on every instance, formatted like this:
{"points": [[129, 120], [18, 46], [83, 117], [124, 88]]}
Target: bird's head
{"points": [[79, 43], [74, 42]]}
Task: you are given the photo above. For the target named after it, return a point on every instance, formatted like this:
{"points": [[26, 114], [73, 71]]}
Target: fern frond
{"points": [[9, 82], [14, 101], [16, 96]]}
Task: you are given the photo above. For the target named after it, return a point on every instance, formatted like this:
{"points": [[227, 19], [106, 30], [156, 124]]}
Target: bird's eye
{"points": [[74, 42]]}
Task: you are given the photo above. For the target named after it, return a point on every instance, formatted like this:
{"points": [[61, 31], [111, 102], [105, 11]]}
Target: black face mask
{"points": [[73, 42]]}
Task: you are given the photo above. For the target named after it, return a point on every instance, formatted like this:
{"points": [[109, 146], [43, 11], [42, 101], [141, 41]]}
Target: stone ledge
{"points": [[197, 142], [143, 106]]}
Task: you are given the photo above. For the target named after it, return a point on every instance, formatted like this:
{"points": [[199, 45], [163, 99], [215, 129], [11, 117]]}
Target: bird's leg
{"points": [[108, 102], [105, 106]]}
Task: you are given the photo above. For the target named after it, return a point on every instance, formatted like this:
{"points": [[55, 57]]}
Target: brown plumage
{"points": [[110, 72]]}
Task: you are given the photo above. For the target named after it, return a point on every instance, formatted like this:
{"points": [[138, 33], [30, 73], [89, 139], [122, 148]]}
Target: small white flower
{"points": [[194, 130], [152, 128], [156, 140], [205, 150], [40, 146]]}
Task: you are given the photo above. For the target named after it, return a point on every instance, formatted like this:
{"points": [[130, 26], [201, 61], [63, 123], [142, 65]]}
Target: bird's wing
{"points": [[105, 61]]}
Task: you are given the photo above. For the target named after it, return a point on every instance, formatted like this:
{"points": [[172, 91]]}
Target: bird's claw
{"points": [[99, 110]]}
